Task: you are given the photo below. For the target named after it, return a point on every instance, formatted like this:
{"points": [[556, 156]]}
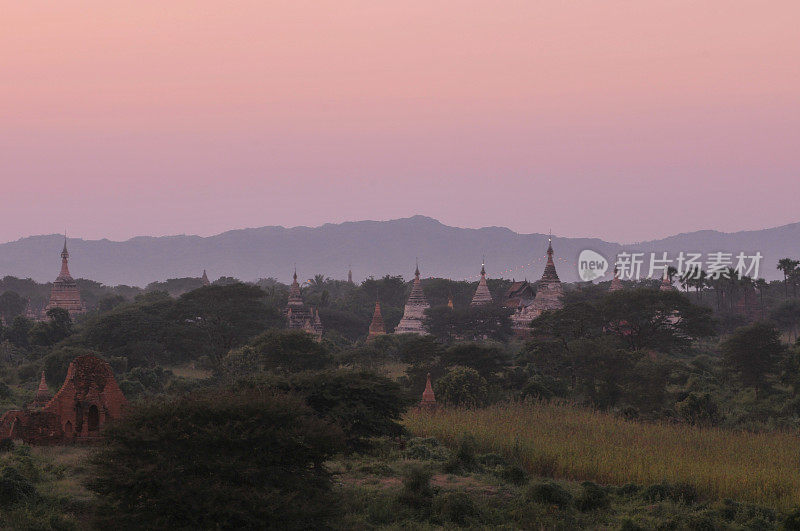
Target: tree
{"points": [[471, 323], [787, 316], [462, 386], [280, 351], [19, 332], [11, 305], [213, 460], [225, 317], [753, 352], [361, 403], [488, 361], [647, 318], [48, 333], [788, 266]]}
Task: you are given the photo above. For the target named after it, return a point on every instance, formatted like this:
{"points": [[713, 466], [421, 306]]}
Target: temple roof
{"points": [[616, 282], [482, 294], [295, 298], [377, 326], [428, 398], [204, 279], [550, 274]]}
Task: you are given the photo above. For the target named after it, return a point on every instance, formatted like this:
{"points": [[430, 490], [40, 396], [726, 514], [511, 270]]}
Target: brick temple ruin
{"points": [[88, 399]]}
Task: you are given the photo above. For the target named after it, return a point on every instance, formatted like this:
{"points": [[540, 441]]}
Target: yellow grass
{"points": [[574, 443], [190, 372]]}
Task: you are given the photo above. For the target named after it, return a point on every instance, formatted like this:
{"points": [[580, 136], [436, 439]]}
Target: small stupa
{"points": [[377, 326], [204, 279], [428, 399], [42, 396], [616, 282]]}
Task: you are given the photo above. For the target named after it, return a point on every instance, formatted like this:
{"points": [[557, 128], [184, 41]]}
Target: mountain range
{"points": [[369, 248]]}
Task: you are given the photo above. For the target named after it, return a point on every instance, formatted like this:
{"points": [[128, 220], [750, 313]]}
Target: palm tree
{"points": [[761, 285], [788, 266]]}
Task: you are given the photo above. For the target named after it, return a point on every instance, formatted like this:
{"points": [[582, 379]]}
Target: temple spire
{"points": [[204, 279], [64, 261], [482, 294], [377, 326], [428, 398], [616, 282], [414, 312]]}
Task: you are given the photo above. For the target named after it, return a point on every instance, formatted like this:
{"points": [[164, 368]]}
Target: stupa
{"points": [[414, 312], [482, 294], [65, 293], [376, 327]]}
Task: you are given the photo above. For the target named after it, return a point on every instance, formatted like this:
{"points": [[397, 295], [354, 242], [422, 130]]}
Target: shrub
{"points": [[6, 445], [426, 449], [549, 493], [417, 491], [462, 386], [14, 486], [464, 458], [281, 351], [698, 409], [514, 474], [679, 493], [455, 507], [592, 497], [217, 459]]}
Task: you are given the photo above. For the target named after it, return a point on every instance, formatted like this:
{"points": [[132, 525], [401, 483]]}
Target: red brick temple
{"points": [[88, 399]]}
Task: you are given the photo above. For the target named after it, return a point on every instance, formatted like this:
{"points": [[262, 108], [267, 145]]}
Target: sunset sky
{"points": [[625, 120]]}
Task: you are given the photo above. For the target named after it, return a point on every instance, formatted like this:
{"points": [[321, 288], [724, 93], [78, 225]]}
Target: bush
{"points": [[217, 459], [417, 491], [592, 497], [426, 449], [455, 507], [698, 409], [678, 493], [14, 486], [549, 493], [514, 474], [464, 458], [6, 445], [463, 387], [280, 351]]}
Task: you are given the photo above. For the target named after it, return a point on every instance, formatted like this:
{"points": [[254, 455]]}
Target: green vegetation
{"points": [[634, 409]]}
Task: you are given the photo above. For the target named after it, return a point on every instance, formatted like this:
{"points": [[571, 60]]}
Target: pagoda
{"points": [[414, 312], [204, 279], [42, 396], [549, 290], [65, 293], [428, 398], [482, 294], [298, 315], [548, 296], [616, 282], [376, 327], [666, 284]]}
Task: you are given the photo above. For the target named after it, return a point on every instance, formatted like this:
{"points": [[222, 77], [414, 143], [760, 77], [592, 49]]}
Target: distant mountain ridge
{"points": [[370, 248]]}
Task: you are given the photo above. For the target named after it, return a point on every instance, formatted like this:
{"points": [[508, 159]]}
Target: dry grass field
{"points": [[568, 442]]}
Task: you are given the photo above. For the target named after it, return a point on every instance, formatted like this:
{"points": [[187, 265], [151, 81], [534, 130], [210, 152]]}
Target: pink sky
{"points": [[624, 120]]}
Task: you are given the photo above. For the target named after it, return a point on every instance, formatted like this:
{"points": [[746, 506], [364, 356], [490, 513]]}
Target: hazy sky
{"points": [[624, 120]]}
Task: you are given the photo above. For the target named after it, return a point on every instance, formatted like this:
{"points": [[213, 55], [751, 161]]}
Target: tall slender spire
{"points": [[482, 294], [295, 298], [377, 326], [204, 279], [65, 261], [616, 282], [428, 398]]}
